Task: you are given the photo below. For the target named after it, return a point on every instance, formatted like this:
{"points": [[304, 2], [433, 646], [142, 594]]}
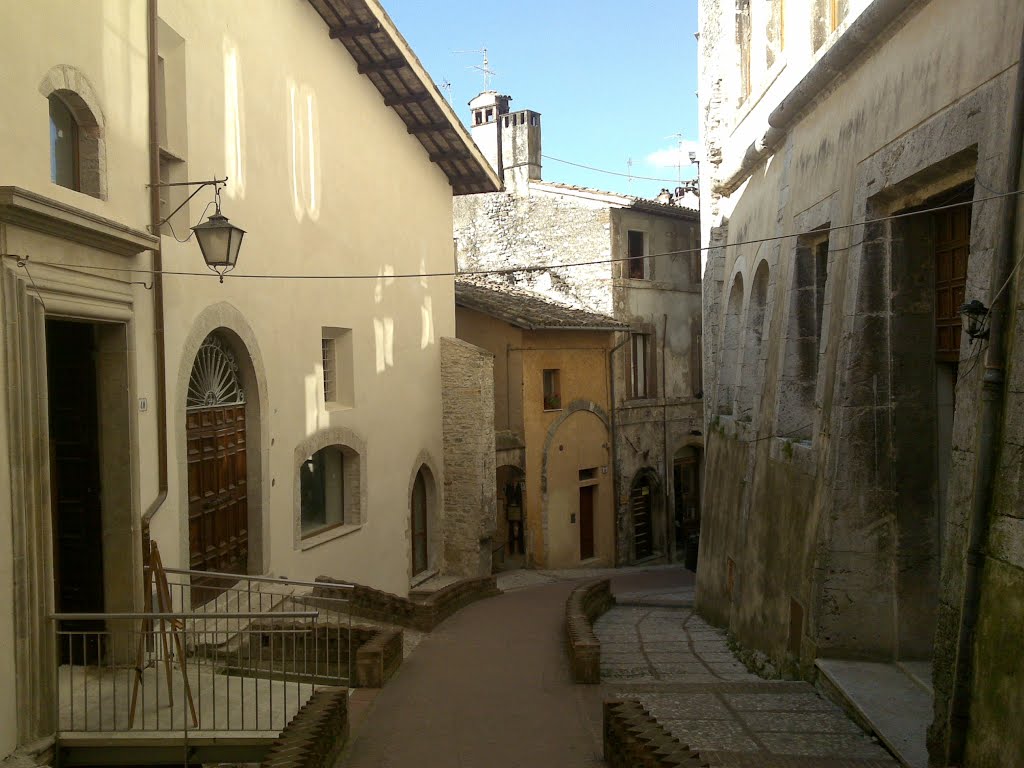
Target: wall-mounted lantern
{"points": [[975, 317], [219, 239]]}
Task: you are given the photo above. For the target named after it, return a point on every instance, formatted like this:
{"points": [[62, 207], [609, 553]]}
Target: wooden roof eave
{"points": [[382, 55]]}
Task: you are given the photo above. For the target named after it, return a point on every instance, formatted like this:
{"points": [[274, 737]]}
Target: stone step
{"points": [[884, 698]]}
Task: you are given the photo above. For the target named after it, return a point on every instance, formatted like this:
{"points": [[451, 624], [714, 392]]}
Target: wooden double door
{"points": [[218, 511]]}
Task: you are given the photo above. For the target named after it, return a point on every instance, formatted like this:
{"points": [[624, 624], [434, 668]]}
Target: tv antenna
{"points": [[680, 138], [629, 173], [446, 87], [484, 68]]}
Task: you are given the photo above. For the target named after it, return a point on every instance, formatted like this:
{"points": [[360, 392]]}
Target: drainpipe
{"points": [[669, 539], [615, 452], [159, 349], [992, 394]]}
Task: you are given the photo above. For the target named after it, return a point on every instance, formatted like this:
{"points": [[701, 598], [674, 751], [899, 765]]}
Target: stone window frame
{"points": [[73, 88], [353, 448], [805, 388]]}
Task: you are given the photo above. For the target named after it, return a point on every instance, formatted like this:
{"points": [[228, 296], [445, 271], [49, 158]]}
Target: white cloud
{"points": [[677, 154]]}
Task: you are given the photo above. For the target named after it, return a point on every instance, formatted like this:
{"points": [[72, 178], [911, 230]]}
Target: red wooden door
{"points": [[586, 522]]}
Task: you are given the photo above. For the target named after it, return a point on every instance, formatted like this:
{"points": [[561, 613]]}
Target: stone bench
{"points": [[584, 606]]}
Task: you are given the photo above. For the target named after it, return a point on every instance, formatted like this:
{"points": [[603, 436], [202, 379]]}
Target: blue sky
{"points": [[612, 80]]}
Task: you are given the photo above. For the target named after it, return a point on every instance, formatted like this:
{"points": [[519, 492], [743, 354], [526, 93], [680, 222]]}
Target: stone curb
{"points": [[583, 607], [634, 739]]}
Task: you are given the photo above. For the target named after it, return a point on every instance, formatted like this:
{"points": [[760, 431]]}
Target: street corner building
{"points": [[633, 260], [279, 422], [862, 406]]}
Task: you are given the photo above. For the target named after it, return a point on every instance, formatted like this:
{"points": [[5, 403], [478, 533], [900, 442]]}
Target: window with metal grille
{"points": [[329, 358]]}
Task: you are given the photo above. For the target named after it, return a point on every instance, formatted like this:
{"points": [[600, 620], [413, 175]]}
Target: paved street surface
{"points": [[683, 672], [491, 687]]}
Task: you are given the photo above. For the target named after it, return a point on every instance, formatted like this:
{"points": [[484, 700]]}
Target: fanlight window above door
{"points": [[214, 380]]}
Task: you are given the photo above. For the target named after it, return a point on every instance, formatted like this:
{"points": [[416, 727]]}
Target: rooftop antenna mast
{"points": [[680, 138], [484, 68], [629, 173]]}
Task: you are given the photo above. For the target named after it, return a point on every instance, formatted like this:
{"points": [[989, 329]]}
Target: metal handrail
{"points": [[190, 616], [263, 579]]}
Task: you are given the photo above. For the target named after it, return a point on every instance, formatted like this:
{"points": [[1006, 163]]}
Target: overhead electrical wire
{"points": [[511, 270], [614, 173]]}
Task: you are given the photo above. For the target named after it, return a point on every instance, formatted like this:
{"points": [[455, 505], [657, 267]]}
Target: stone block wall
{"points": [[584, 606], [501, 230], [469, 517]]}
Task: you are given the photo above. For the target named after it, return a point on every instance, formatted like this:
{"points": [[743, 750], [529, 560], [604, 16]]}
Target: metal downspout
{"points": [[992, 401], [159, 348], [615, 452], [668, 517]]}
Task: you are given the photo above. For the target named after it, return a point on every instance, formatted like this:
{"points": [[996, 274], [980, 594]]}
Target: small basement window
{"points": [[552, 389]]}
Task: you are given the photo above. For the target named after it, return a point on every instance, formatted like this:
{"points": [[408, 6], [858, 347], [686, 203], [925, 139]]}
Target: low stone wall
{"points": [[634, 739], [423, 615], [315, 736], [379, 659], [584, 606]]}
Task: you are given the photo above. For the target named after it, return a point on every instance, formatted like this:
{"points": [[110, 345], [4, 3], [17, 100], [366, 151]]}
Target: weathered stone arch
{"points": [[574, 407], [238, 335]]}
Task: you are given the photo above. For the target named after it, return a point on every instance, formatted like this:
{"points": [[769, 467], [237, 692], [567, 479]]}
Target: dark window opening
{"points": [[322, 490], [552, 389], [638, 350], [636, 247]]}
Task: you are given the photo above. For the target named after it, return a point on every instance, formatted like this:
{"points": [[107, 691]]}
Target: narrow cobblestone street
{"points": [[491, 687]]}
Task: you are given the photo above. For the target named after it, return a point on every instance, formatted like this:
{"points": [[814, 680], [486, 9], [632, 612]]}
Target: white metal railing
{"points": [[244, 659]]}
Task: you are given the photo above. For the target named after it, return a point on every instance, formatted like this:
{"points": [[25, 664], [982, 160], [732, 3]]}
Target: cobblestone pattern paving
{"points": [[681, 669]]}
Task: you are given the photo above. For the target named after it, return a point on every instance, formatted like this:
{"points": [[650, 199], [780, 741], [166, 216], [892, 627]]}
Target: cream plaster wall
{"points": [[98, 49], [335, 185]]}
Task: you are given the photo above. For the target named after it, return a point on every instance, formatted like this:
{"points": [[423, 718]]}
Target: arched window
{"points": [[77, 147], [326, 497], [748, 386], [65, 168], [730, 360]]}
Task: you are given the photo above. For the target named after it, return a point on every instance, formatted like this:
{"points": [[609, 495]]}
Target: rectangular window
{"points": [[775, 33], [322, 490], [336, 362], [552, 389], [638, 349], [637, 247], [172, 131], [328, 355], [743, 35]]}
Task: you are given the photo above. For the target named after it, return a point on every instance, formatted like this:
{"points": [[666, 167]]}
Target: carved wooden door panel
{"points": [[218, 514]]}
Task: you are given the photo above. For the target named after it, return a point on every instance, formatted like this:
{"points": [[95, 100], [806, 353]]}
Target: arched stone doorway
{"points": [[217, 461], [645, 512], [686, 493], [510, 512], [425, 535]]}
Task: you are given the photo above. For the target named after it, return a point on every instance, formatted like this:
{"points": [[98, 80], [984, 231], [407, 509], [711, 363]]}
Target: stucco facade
{"points": [[843, 403], [558, 450], [99, 354], [656, 413]]}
